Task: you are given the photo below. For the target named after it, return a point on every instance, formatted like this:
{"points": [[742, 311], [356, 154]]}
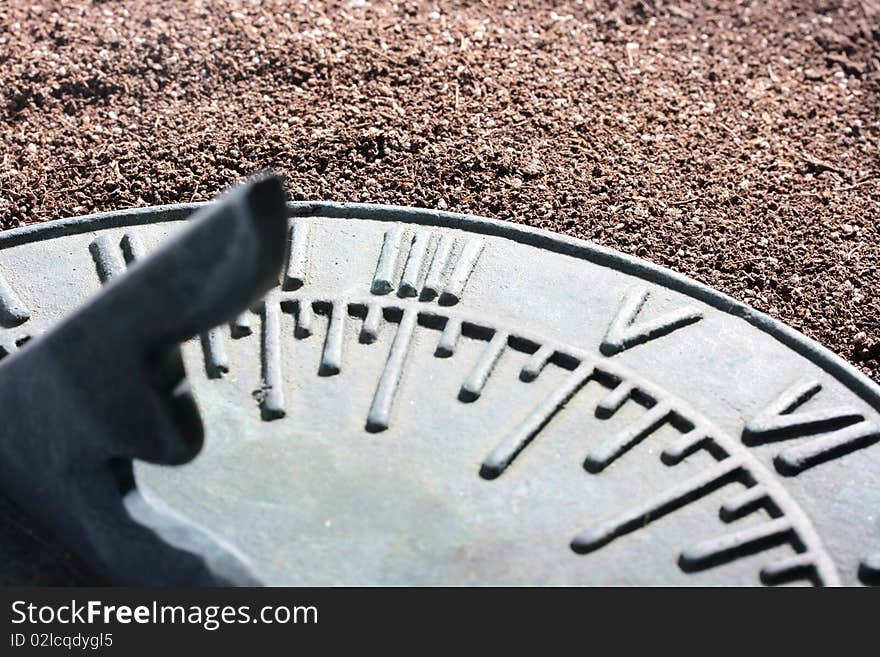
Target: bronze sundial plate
{"points": [[429, 398]]}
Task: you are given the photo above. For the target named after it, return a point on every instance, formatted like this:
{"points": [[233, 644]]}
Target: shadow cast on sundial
{"points": [[32, 556]]}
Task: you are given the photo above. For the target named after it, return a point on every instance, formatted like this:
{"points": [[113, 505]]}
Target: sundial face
{"points": [[432, 399]]}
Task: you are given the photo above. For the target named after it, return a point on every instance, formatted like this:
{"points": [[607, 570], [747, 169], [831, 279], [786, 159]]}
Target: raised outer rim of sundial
{"points": [[834, 365]]}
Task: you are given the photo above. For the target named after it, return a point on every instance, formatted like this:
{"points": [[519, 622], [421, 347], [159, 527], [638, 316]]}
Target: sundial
{"points": [[427, 398]]}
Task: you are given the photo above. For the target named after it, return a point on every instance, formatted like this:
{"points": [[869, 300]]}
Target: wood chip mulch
{"points": [[731, 140]]}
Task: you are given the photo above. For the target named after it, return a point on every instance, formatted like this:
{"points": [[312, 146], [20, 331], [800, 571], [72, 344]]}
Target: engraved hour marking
{"points": [[370, 327], [449, 338], [743, 502], [683, 445], [438, 265], [111, 259], [272, 393], [331, 358], [132, 248], [676, 497], [778, 421], [13, 312], [216, 362], [840, 430], [502, 456], [462, 272], [793, 460], [419, 245], [383, 280], [298, 241], [788, 526], [759, 490], [536, 363], [412, 270], [736, 465], [108, 258], [793, 567], [12, 309], [473, 386], [725, 548], [611, 403], [304, 318], [11, 345], [624, 333], [380, 410], [241, 325], [614, 446]]}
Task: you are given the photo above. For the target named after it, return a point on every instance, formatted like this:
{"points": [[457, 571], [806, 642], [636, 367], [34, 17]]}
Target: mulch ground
{"points": [[734, 141]]}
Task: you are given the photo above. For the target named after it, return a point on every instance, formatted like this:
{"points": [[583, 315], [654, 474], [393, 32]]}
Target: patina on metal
{"points": [[431, 398]]}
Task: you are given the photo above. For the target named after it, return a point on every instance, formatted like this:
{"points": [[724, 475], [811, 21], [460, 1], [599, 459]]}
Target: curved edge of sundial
{"points": [[843, 371], [809, 349], [789, 523]]}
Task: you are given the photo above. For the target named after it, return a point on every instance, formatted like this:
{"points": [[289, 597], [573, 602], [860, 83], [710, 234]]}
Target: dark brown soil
{"points": [[734, 141]]}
